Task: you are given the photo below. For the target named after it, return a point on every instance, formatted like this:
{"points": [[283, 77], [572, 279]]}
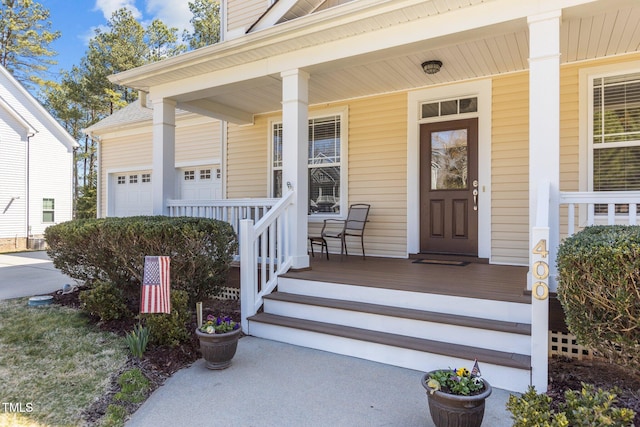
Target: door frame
{"points": [[482, 90]]}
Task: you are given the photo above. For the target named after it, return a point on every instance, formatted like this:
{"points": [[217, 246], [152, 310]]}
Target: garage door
{"points": [[201, 183], [132, 194]]}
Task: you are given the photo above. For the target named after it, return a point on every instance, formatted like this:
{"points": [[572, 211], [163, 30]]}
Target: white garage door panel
{"points": [[201, 183], [132, 194]]}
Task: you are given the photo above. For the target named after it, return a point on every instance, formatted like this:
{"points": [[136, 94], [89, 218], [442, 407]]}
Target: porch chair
{"points": [[352, 226]]}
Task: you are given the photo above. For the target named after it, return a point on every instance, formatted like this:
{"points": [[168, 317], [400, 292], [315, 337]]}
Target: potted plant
{"points": [[456, 396], [218, 341]]}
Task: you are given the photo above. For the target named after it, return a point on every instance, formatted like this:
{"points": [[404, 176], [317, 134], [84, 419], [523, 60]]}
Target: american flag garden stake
{"points": [[155, 285]]}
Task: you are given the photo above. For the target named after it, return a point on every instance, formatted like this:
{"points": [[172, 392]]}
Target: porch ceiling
{"points": [[597, 29]]}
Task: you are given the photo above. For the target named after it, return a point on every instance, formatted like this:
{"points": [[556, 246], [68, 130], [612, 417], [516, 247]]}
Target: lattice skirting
{"points": [[563, 344], [229, 293]]}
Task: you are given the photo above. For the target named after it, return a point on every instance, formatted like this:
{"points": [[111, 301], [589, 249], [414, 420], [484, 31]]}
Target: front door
{"points": [[449, 187]]}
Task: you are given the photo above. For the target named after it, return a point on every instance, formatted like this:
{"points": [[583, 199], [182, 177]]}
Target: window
{"points": [[449, 107], [133, 179], [324, 163], [122, 179], [189, 175], [146, 177], [205, 174], [615, 127], [48, 209]]}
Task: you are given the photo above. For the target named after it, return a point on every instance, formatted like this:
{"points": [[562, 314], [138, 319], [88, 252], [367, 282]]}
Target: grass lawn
{"points": [[53, 364]]}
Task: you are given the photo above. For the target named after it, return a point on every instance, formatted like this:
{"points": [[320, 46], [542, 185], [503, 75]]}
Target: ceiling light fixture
{"points": [[431, 67]]}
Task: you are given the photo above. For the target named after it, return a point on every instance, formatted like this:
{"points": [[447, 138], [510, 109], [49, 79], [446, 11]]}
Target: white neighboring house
{"points": [[36, 168]]}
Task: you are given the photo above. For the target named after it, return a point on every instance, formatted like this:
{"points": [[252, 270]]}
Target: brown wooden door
{"points": [[448, 181]]}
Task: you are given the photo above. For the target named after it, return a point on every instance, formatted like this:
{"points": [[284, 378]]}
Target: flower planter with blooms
{"points": [[456, 396], [218, 341]]}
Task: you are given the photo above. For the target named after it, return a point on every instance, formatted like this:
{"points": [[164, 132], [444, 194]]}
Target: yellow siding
{"points": [[244, 13], [377, 150], [378, 171], [198, 142], [247, 164], [510, 169]]}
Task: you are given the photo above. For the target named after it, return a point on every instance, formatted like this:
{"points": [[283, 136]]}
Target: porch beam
{"points": [[295, 143], [163, 151], [218, 111]]}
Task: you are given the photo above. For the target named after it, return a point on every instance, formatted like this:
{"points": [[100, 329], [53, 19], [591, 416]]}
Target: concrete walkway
{"points": [[25, 274], [276, 384]]}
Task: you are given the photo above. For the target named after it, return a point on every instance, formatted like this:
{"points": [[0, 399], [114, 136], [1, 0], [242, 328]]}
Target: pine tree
{"points": [[206, 24], [25, 36]]}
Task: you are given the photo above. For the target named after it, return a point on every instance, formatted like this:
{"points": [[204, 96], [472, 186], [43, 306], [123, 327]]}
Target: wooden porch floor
{"points": [[474, 280]]}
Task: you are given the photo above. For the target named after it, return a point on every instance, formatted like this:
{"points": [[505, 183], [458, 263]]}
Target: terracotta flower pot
{"points": [[451, 410], [218, 349]]}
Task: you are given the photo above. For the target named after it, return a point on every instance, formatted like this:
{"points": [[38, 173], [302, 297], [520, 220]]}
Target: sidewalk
{"points": [[276, 384]]}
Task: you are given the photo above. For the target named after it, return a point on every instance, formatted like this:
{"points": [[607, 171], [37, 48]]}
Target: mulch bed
{"points": [[569, 374], [159, 363]]}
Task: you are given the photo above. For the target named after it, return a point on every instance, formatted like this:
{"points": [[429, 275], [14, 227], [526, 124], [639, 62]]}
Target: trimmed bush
{"points": [[599, 289], [589, 407], [170, 329], [113, 250], [105, 301]]}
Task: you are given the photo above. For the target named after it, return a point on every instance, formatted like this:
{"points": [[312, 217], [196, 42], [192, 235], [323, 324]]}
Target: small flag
{"points": [[155, 285], [475, 372]]}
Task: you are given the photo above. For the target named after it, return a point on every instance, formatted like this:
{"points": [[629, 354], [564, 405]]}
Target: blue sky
{"points": [[77, 19]]}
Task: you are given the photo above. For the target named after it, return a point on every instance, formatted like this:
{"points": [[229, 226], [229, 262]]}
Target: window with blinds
{"points": [[616, 134], [324, 164]]}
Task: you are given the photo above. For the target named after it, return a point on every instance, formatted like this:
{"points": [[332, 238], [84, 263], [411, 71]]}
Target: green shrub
{"points": [[599, 288], [113, 249], [589, 407], [115, 416], [137, 340], [170, 329], [134, 386], [105, 301]]}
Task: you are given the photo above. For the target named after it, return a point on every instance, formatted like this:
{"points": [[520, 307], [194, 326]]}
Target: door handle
{"points": [[475, 199]]}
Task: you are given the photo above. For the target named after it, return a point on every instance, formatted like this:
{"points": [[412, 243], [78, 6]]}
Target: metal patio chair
{"points": [[352, 226]]}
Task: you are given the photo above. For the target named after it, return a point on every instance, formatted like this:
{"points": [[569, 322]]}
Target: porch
{"points": [[434, 275], [406, 313]]}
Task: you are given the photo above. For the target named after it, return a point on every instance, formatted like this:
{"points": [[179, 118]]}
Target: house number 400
{"points": [[541, 271]]}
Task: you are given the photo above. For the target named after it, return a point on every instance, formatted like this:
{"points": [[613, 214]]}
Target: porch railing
{"points": [[229, 210], [264, 254], [600, 207]]}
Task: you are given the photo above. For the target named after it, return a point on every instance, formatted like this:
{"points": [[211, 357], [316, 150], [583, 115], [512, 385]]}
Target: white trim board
{"points": [[481, 89]]}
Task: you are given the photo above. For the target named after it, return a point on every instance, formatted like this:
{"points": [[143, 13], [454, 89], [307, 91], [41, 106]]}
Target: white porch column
{"points": [[295, 143], [544, 170], [544, 121], [164, 163]]}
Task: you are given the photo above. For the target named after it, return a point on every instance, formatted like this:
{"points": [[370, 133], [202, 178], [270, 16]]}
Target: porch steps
{"points": [[376, 325], [511, 360]]}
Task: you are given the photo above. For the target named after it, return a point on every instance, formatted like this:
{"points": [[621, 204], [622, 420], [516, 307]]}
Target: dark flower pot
{"points": [[451, 410], [218, 349]]}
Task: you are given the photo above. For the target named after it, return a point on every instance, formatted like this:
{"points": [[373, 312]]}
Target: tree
{"points": [[25, 36], [206, 24], [162, 41], [85, 95]]}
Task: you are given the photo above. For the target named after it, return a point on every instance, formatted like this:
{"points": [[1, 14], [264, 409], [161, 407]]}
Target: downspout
{"points": [[27, 189]]}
